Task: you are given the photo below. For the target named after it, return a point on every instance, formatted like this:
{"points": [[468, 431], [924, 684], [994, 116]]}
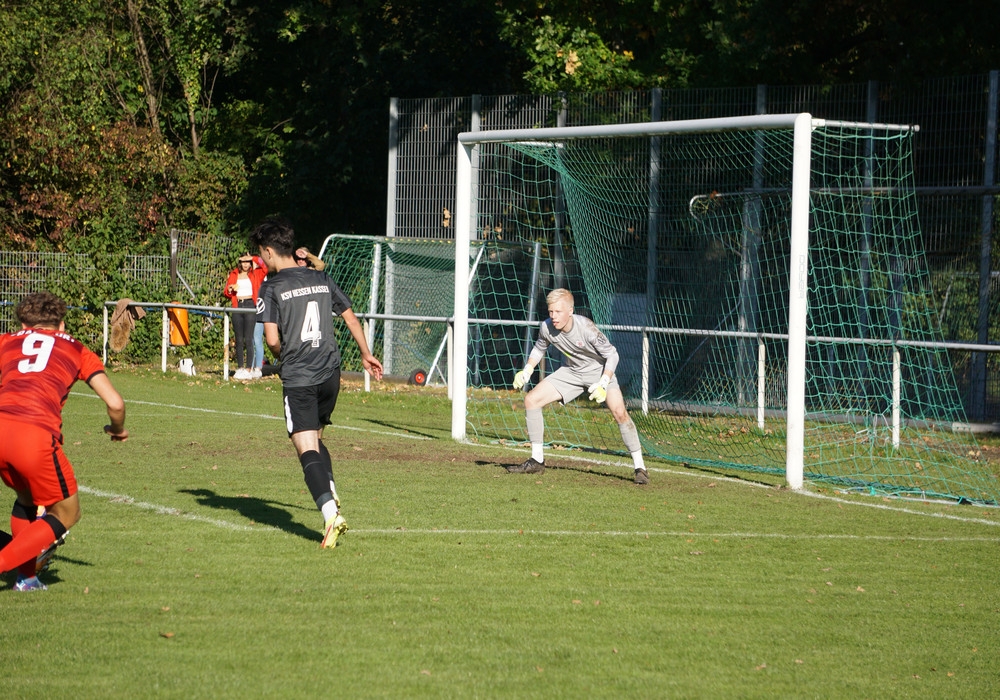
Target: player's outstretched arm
{"points": [[116, 406], [368, 360]]}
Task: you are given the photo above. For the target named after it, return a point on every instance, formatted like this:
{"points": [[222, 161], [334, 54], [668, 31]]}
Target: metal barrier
{"points": [[225, 311]]}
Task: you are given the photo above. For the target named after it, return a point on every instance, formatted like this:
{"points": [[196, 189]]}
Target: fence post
{"points": [[225, 346], [645, 372], [373, 307], [164, 338], [653, 213], [977, 406], [173, 260], [104, 344]]}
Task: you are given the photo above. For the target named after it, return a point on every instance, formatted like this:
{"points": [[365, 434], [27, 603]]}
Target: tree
{"points": [[116, 118], [309, 109], [87, 163]]}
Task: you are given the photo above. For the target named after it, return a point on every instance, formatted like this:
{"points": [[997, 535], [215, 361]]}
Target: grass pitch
{"points": [[196, 570]]}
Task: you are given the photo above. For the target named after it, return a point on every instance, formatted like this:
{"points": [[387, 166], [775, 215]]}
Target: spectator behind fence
{"points": [[242, 287]]}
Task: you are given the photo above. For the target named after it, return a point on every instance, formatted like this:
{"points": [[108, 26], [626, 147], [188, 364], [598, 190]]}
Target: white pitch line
{"points": [[883, 506], [265, 416], [165, 510], [676, 533]]}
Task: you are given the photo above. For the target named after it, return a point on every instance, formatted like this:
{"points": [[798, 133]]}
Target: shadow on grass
{"points": [[271, 513], [727, 474], [49, 577], [562, 467], [402, 428]]}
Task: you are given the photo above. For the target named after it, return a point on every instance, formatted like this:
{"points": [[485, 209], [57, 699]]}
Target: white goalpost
{"points": [[465, 225]]}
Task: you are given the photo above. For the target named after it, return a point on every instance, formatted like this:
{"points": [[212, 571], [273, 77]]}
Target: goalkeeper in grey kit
{"points": [[589, 362]]}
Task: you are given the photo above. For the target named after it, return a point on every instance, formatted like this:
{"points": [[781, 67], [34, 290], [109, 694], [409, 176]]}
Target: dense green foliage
{"points": [[121, 119]]}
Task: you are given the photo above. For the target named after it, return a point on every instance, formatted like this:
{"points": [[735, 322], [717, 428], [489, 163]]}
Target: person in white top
{"points": [[589, 363], [241, 289]]}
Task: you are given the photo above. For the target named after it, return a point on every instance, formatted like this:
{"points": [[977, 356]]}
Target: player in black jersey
{"points": [[296, 305]]}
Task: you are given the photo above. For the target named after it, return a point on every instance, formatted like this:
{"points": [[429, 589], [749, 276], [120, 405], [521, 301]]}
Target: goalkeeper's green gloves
{"points": [[599, 390], [522, 377]]}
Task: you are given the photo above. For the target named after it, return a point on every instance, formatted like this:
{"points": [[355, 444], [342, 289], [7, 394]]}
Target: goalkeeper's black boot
{"points": [[529, 466]]}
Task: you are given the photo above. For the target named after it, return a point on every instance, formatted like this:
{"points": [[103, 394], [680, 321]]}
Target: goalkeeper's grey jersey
{"points": [[584, 347], [302, 302]]}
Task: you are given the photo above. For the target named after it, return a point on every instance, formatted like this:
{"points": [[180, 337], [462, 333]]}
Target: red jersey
{"points": [[37, 369]]}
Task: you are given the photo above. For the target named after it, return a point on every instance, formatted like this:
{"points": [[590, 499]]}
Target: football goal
{"points": [[762, 278]]}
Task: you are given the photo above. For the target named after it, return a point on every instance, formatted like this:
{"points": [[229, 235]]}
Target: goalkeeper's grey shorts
{"points": [[570, 383]]}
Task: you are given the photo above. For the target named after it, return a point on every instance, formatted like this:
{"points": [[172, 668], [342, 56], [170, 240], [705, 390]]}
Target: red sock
{"points": [[28, 544], [19, 520]]}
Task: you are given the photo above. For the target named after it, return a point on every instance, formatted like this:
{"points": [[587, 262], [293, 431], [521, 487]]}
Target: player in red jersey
{"points": [[38, 365]]}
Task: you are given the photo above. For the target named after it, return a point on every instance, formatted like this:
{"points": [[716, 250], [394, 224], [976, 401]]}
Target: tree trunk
{"points": [[144, 67]]}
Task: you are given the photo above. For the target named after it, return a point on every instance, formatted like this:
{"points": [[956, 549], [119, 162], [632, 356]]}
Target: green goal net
{"points": [[679, 245], [405, 289]]}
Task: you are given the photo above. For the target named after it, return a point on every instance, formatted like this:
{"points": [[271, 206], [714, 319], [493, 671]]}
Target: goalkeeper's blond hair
{"points": [[560, 295]]}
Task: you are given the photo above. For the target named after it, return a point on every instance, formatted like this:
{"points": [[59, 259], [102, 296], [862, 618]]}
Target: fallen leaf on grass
{"points": [[577, 602], [425, 672], [761, 667], [166, 635]]}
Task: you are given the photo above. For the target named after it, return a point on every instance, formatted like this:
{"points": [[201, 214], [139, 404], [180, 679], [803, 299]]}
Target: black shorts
{"points": [[309, 407]]}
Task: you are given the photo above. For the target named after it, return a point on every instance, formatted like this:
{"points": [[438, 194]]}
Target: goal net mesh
{"points": [[678, 247], [414, 296]]}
